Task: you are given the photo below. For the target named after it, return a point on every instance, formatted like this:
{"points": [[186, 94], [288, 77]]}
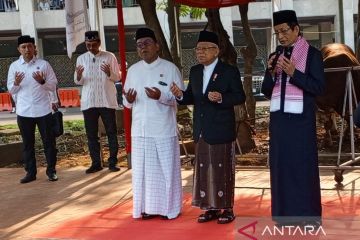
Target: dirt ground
{"points": [[73, 151]]}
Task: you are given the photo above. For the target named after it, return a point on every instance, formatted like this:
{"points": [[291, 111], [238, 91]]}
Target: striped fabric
{"points": [[293, 95]]}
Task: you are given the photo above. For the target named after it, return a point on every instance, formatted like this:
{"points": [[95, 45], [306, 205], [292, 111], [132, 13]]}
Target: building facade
{"points": [[322, 22]]}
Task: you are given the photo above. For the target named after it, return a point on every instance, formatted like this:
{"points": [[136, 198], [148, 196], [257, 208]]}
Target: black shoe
{"points": [[209, 215], [53, 177], [146, 216], [28, 178], [114, 169], [93, 169], [227, 216]]}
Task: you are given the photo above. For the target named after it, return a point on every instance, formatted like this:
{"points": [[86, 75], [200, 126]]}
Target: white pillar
{"points": [[337, 28], [27, 19], [96, 20], [348, 23], [226, 19]]}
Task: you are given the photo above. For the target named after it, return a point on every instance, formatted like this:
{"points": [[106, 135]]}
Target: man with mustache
{"points": [[156, 175], [292, 83], [97, 71]]}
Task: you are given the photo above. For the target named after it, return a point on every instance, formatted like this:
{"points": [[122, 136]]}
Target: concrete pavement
{"points": [[27, 210]]}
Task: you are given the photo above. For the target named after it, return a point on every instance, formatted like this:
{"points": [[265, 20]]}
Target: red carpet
{"points": [[117, 222]]}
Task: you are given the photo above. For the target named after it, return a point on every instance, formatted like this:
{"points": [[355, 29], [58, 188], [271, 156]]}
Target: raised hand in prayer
{"points": [[19, 76], [130, 95], [39, 77], [79, 71], [105, 68], [176, 90], [287, 66], [153, 93]]}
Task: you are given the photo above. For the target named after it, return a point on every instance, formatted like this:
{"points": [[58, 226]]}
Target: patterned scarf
{"points": [[293, 95]]}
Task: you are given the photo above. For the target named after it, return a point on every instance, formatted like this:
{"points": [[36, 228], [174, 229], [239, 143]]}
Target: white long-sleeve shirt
{"points": [[153, 118], [98, 89], [32, 98]]}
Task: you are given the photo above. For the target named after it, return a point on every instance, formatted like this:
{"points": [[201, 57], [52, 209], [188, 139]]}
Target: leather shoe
{"points": [[28, 178], [114, 169], [146, 216], [53, 177], [93, 169]]}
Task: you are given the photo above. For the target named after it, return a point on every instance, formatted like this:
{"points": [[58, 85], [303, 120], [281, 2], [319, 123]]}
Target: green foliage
{"points": [[195, 13], [9, 126], [74, 125]]}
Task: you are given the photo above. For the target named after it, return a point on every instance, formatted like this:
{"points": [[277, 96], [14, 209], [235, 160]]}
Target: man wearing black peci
{"points": [[97, 71], [292, 85], [32, 80], [214, 89]]}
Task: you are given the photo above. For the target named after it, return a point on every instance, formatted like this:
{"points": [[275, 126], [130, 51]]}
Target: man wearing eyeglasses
{"points": [[156, 175], [214, 89], [292, 83], [97, 71]]}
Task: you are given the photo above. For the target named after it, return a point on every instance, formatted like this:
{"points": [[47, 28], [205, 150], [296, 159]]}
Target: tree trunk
{"points": [[148, 9], [183, 115], [228, 54], [174, 22], [249, 53], [227, 51]]}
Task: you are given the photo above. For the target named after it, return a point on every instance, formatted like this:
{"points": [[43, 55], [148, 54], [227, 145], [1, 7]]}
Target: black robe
{"points": [[293, 157]]}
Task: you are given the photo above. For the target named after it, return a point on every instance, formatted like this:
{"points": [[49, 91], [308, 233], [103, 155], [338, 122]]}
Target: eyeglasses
{"points": [[144, 44], [202, 49], [282, 32]]}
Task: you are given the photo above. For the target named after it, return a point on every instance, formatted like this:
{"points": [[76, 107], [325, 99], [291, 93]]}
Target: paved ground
{"points": [[26, 210]]}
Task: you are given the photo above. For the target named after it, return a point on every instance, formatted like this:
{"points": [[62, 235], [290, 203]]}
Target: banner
{"points": [[77, 23], [212, 3]]}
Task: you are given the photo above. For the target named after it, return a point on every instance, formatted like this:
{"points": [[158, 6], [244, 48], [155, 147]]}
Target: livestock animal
{"points": [[337, 55]]}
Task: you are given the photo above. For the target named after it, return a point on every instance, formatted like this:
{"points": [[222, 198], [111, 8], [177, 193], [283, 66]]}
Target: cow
{"points": [[337, 55]]}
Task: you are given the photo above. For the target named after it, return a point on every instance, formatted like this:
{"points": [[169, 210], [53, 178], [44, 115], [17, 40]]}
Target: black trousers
{"points": [[91, 117], [27, 127]]}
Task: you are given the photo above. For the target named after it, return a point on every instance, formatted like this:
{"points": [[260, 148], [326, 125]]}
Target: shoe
{"points": [[167, 218], [13, 110], [209, 215], [93, 169], [53, 177], [226, 217], [114, 169], [28, 178], [145, 216]]}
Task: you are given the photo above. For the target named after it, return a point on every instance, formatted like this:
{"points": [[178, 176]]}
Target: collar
{"points": [[211, 65], [97, 55], [153, 64], [22, 61]]}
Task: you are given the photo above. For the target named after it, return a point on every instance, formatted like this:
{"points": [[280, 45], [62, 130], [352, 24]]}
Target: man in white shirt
{"points": [[97, 71], [156, 175], [31, 80]]}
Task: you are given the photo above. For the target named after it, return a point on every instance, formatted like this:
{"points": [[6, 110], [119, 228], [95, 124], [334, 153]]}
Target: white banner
{"points": [[77, 23]]}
